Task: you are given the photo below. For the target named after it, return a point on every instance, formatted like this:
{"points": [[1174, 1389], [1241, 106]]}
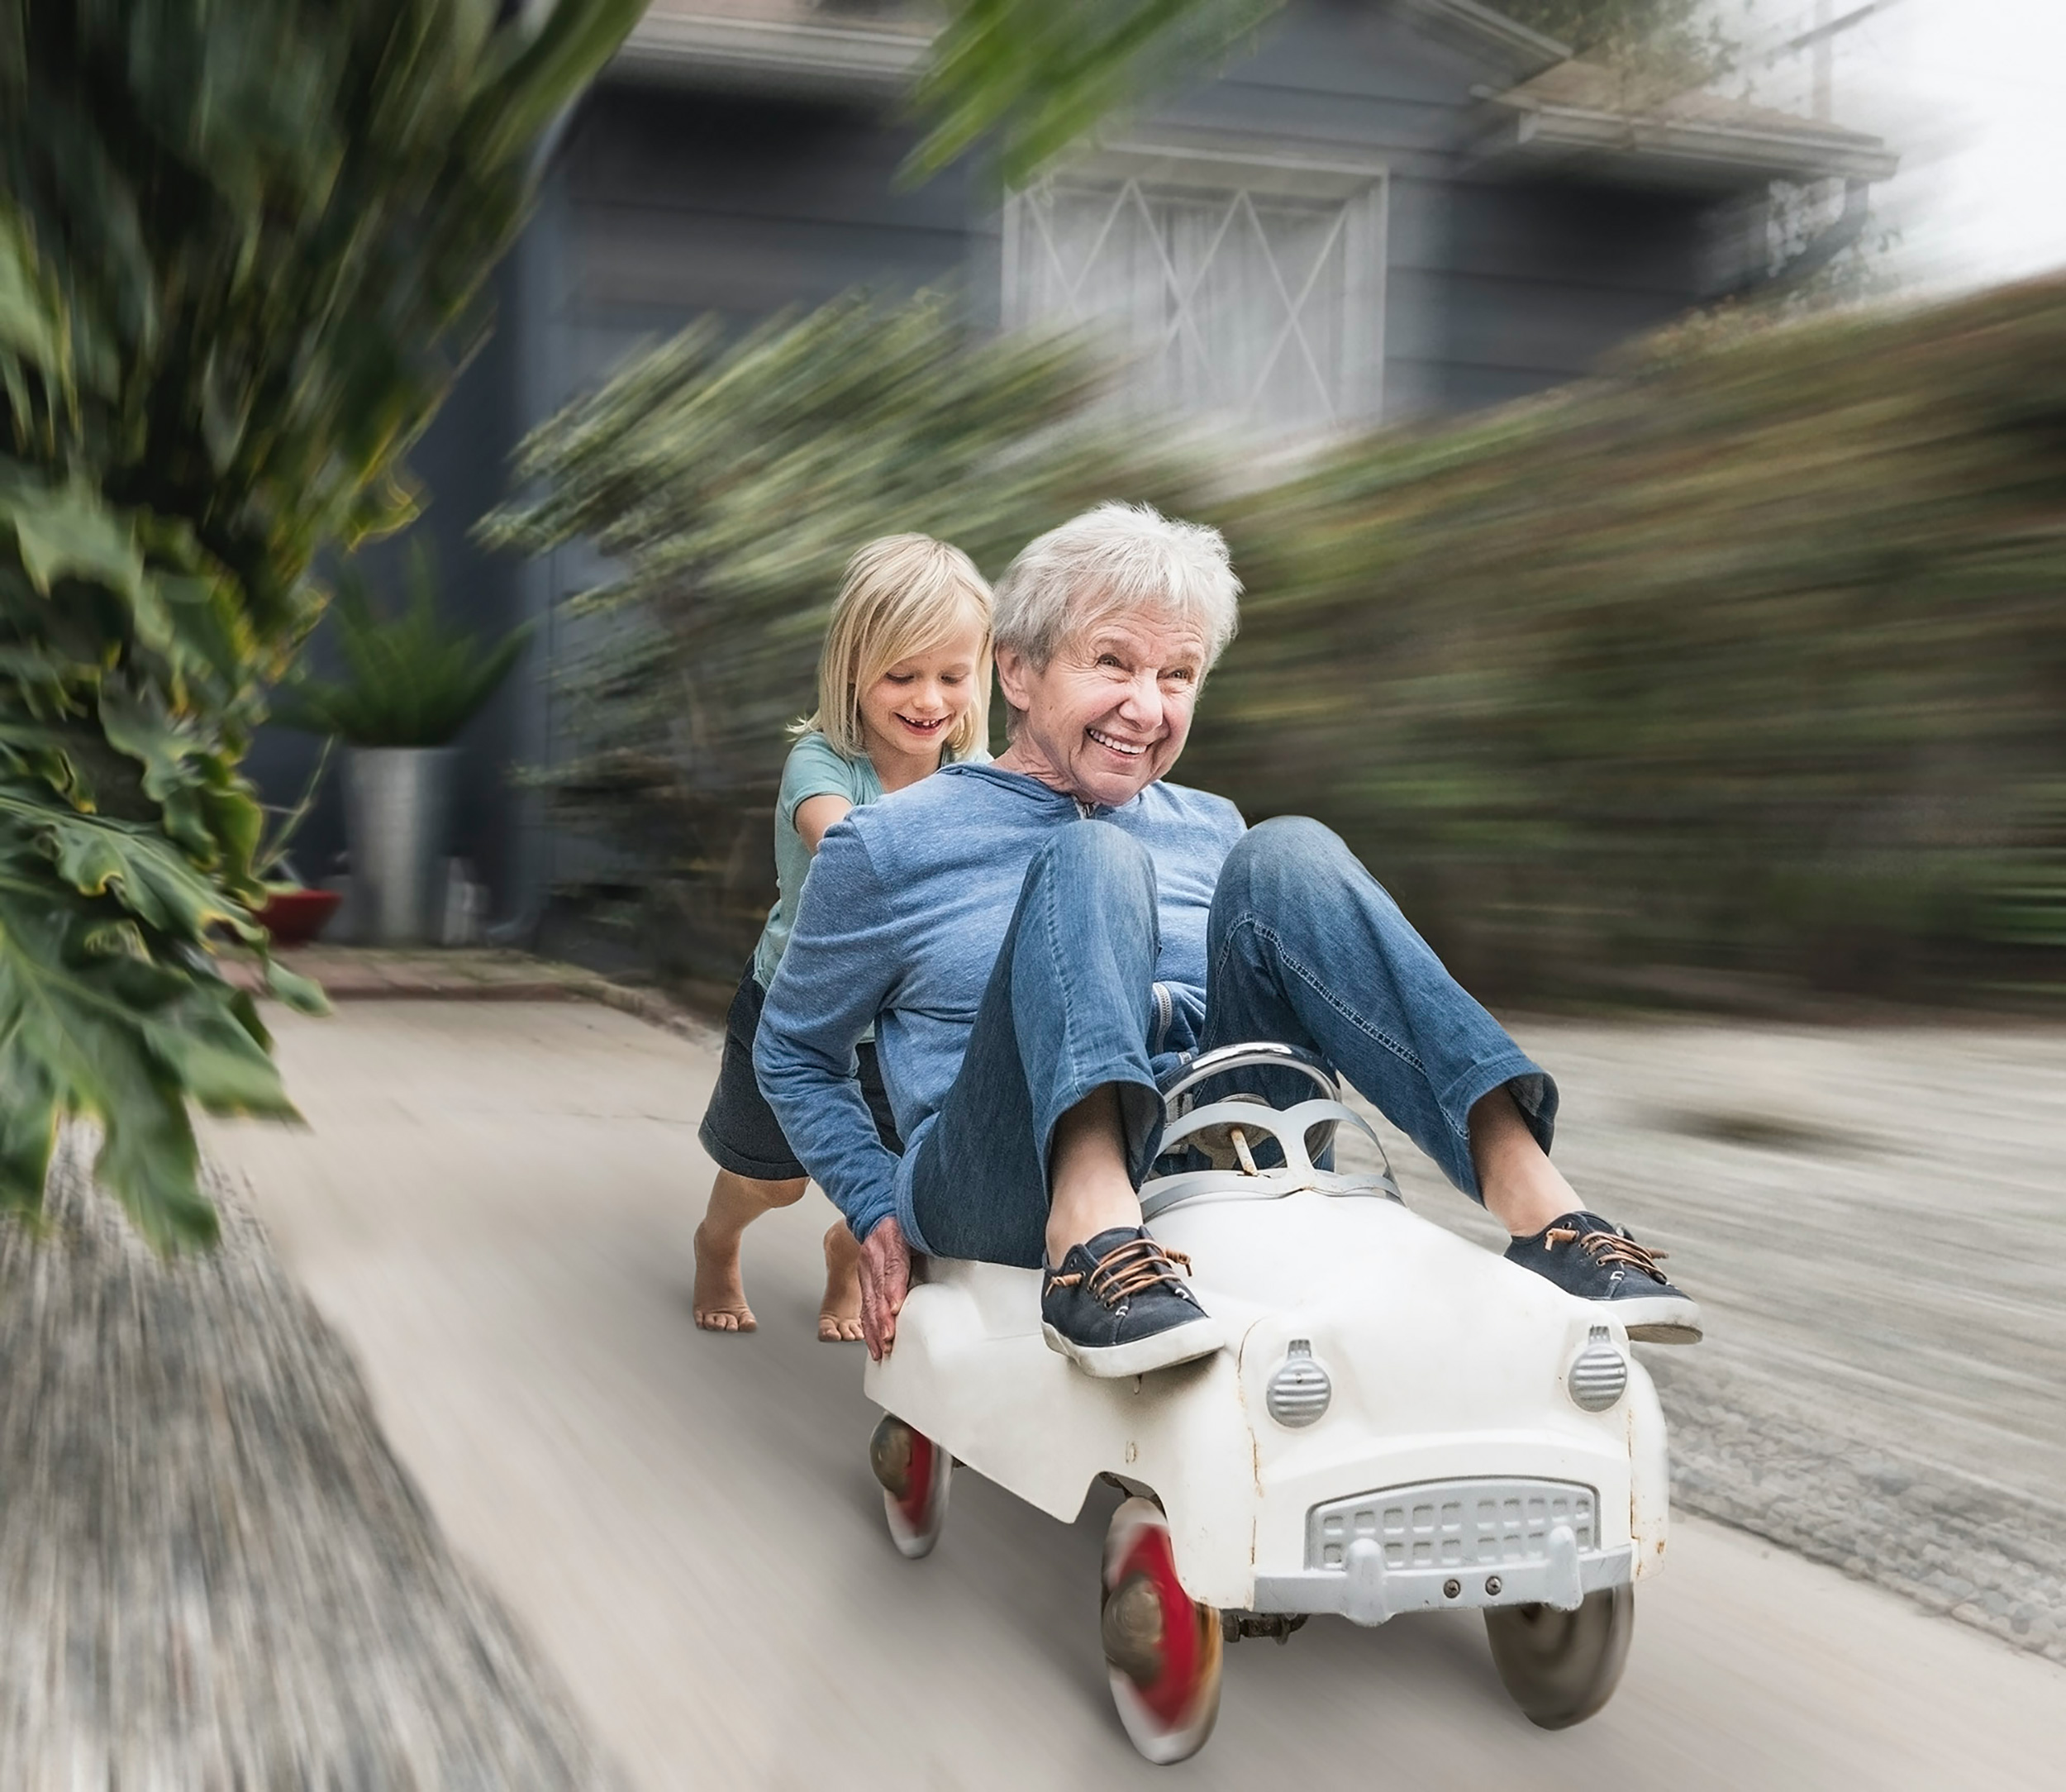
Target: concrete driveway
{"points": [[493, 1203]]}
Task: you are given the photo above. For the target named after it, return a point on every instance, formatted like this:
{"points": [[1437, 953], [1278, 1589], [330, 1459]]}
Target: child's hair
{"points": [[902, 595]]}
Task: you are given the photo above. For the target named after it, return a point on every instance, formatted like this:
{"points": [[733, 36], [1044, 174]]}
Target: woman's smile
{"points": [[1113, 743]]}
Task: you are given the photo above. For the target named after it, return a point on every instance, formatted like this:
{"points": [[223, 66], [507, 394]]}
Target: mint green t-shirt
{"points": [[815, 769]]}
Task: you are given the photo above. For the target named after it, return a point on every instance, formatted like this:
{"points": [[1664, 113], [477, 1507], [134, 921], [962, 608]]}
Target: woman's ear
{"points": [[1014, 671]]}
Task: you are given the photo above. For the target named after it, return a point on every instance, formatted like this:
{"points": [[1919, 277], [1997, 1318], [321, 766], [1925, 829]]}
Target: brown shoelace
{"points": [[1610, 1249], [1132, 1268]]}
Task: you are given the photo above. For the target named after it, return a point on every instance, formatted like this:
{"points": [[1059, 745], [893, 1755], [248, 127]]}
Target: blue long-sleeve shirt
{"points": [[902, 917]]}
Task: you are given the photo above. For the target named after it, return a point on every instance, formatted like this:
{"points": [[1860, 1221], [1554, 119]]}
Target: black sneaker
{"points": [[1117, 1307], [1585, 1256]]}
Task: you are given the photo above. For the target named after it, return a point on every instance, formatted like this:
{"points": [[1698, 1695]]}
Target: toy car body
{"points": [[1398, 1421]]}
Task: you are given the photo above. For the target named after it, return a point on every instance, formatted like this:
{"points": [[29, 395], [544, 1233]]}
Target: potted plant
{"points": [[412, 685]]}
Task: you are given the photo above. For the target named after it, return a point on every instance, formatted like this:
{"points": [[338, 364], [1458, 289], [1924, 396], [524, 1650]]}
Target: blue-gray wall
{"points": [[664, 202]]}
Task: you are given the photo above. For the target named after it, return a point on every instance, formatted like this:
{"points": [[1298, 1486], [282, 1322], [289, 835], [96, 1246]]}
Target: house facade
{"points": [[1390, 208]]}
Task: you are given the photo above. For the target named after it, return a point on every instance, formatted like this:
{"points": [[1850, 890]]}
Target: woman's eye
{"points": [[900, 678], [1108, 659]]}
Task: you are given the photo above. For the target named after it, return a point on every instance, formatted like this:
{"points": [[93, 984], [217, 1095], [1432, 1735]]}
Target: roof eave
{"points": [[1489, 31], [776, 56], [770, 56], [1702, 152]]}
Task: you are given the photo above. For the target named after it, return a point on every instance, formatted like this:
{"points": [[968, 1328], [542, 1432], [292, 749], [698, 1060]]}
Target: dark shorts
{"points": [[740, 1130]]}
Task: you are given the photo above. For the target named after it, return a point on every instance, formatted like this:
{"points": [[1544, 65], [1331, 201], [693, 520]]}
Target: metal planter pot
{"points": [[398, 811]]}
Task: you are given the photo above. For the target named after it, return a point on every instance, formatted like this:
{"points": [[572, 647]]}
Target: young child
{"points": [[904, 686]]}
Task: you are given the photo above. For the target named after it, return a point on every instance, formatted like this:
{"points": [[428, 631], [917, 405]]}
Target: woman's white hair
{"points": [[1110, 562]]}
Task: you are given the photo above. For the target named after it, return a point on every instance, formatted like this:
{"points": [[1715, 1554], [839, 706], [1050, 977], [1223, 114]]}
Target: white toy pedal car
{"points": [[1401, 1421]]}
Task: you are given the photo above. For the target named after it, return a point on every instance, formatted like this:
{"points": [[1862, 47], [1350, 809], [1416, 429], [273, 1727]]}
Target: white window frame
{"points": [[1363, 188]]}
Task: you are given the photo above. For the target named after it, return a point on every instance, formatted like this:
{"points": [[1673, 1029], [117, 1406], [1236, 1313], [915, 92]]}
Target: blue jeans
{"points": [[1303, 946]]}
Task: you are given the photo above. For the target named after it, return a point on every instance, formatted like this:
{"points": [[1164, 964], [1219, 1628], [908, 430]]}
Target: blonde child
{"points": [[904, 686]]}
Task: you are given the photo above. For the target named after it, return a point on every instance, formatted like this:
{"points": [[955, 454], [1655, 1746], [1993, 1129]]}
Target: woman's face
{"points": [[907, 713], [1110, 713]]}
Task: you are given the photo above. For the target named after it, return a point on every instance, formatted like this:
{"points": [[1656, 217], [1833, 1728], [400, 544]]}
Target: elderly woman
{"points": [[1033, 939]]}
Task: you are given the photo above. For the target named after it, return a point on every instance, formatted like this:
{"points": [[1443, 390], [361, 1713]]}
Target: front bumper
{"points": [[1438, 1545]]}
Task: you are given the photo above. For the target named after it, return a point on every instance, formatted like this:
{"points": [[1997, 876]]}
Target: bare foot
{"points": [[719, 1299], [840, 1314]]}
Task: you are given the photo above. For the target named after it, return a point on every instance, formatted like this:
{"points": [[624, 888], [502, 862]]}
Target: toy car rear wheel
{"points": [[915, 1473], [1162, 1648], [1561, 1667]]}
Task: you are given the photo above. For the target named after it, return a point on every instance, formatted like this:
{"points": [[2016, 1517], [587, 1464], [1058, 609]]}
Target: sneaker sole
{"points": [[1664, 1319], [1180, 1344]]}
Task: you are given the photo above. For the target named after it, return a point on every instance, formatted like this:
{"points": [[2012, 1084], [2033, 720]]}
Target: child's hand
{"points": [[885, 1280]]}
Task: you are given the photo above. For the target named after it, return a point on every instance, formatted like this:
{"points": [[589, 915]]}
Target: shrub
{"points": [[731, 483], [239, 247], [1740, 669], [1749, 658]]}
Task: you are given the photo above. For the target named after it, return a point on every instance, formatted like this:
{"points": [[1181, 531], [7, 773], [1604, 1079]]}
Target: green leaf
{"points": [[1033, 78], [122, 1042], [31, 324], [304, 994], [69, 531]]}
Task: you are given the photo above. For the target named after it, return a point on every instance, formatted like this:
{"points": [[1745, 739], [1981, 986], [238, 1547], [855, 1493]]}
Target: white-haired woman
{"points": [[1034, 940]]}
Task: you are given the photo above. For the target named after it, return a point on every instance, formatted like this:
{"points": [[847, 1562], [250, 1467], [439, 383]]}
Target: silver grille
{"points": [[1452, 1524]]}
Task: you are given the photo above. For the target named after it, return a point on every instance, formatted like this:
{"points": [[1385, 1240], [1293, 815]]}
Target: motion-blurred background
{"points": [[1640, 425], [1648, 509]]}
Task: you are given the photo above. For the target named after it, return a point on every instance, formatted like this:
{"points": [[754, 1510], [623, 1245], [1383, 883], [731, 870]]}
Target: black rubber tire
{"points": [[1561, 1667]]}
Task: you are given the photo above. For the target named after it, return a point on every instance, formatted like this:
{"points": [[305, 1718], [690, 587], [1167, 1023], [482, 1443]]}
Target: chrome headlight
{"points": [[1599, 1376], [1300, 1391]]}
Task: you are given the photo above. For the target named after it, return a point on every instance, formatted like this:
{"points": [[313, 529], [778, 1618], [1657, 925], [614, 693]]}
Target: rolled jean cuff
{"points": [[904, 1212], [1140, 1115], [1536, 1098]]}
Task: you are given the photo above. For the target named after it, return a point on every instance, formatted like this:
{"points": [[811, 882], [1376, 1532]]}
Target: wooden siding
{"points": [[681, 202], [1495, 288], [665, 202]]}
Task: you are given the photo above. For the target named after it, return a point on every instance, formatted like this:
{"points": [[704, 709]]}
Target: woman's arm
{"points": [[841, 961], [815, 814]]}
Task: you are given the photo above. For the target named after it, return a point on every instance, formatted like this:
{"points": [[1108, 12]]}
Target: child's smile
{"points": [[909, 711]]}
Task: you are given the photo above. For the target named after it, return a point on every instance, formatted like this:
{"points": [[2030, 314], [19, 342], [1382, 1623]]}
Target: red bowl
{"points": [[295, 916]]}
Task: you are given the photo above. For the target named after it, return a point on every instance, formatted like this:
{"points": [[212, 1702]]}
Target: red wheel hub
{"points": [[915, 1502], [1180, 1651]]}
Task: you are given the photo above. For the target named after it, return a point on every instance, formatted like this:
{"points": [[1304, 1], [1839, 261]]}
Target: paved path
{"points": [[1875, 1223], [493, 1201]]}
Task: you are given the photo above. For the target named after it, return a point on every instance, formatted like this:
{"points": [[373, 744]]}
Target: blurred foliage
{"points": [[730, 484], [1659, 47], [413, 680], [238, 250], [1747, 662], [1607, 27], [1026, 77], [1738, 672]]}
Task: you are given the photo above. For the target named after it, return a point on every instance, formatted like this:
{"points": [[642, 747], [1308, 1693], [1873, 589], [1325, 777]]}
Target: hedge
{"points": [[1735, 672]]}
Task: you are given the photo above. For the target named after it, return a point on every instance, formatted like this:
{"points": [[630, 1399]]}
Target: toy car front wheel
{"points": [[1560, 1667], [915, 1473], [1162, 1648]]}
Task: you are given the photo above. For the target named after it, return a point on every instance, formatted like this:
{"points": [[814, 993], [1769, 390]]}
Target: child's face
{"points": [[907, 713]]}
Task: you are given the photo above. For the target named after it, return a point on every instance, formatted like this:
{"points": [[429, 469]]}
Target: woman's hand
{"points": [[885, 1280]]}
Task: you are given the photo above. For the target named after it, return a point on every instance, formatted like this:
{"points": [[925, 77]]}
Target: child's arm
{"points": [[815, 814]]}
